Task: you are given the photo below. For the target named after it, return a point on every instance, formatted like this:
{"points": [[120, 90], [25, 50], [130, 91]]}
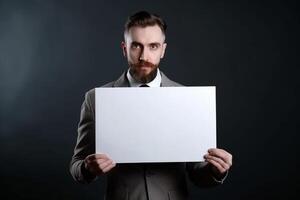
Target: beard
{"points": [[143, 71]]}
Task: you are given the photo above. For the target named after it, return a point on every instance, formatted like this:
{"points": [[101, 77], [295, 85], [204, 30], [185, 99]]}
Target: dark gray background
{"points": [[52, 52]]}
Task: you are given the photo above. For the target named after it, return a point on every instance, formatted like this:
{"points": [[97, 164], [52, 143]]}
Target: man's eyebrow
{"points": [[152, 43], [136, 43], [155, 43]]}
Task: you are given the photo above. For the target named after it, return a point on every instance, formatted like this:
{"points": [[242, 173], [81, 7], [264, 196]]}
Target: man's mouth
{"points": [[145, 65]]}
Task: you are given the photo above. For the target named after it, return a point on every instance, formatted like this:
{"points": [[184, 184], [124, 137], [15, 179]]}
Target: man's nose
{"points": [[144, 55]]}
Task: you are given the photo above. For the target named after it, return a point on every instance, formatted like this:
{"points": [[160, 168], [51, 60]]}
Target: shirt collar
{"points": [[156, 82]]}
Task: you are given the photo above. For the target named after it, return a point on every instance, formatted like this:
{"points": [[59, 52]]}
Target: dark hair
{"points": [[143, 19]]}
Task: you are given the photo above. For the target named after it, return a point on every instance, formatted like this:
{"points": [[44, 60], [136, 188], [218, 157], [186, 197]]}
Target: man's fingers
{"points": [[109, 167], [93, 157], [100, 161], [101, 156], [222, 154], [219, 161], [217, 165], [104, 164], [217, 152]]}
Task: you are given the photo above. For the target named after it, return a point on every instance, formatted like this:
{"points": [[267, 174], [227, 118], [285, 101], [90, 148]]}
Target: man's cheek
{"points": [[133, 58]]}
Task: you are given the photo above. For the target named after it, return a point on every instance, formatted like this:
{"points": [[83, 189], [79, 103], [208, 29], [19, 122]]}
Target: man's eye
{"points": [[135, 46], [153, 46]]}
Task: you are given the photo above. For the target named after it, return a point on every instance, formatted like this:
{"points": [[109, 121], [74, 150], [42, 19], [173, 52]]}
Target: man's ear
{"points": [[123, 46], [163, 50]]}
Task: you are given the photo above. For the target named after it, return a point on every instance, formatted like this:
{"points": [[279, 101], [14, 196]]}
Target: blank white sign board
{"points": [[165, 124]]}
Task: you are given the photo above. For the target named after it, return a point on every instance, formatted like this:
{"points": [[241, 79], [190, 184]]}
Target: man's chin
{"points": [[143, 77], [144, 71], [144, 74]]}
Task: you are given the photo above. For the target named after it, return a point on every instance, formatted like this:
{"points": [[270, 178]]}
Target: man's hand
{"points": [[98, 164], [220, 160]]}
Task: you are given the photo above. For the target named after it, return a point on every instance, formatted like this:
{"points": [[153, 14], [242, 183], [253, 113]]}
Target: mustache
{"points": [[143, 63]]}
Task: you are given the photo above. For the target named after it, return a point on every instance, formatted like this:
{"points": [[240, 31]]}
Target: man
{"points": [[144, 45]]}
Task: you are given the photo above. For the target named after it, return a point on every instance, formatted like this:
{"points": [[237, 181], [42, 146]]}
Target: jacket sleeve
{"points": [[85, 141], [200, 174]]}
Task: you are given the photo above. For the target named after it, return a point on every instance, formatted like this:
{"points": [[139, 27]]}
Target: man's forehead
{"points": [[145, 35]]}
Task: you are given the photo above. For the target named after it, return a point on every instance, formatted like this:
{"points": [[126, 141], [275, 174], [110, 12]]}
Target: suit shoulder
{"points": [[110, 84], [166, 82], [91, 92], [171, 83], [176, 84]]}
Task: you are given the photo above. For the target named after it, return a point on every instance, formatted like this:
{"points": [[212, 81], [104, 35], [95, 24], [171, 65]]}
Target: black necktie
{"points": [[144, 85]]}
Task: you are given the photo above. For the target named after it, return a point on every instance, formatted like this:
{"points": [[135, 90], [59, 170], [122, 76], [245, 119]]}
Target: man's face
{"points": [[144, 47]]}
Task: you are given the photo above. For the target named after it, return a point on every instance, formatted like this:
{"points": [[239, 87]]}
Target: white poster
{"points": [[165, 124]]}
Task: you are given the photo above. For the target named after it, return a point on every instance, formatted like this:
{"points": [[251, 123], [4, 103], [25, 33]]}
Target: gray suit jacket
{"points": [[154, 181]]}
